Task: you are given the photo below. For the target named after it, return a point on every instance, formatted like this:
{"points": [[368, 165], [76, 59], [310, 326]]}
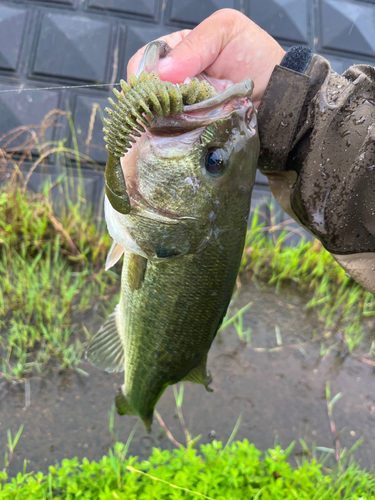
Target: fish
{"points": [[177, 205]]}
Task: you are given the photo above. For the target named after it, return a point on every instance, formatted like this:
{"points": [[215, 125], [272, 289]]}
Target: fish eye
{"points": [[214, 161]]}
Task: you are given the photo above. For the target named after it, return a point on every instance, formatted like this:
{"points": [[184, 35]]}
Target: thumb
{"points": [[196, 52]]}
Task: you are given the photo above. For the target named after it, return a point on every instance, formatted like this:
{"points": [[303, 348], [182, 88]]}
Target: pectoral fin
{"points": [[200, 375], [114, 255], [136, 271], [105, 350]]}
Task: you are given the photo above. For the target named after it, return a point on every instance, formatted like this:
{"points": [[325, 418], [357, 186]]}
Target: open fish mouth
{"points": [[225, 89], [205, 112], [228, 95]]}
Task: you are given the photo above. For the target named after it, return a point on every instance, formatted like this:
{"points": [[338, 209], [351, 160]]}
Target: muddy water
{"points": [[281, 395]]}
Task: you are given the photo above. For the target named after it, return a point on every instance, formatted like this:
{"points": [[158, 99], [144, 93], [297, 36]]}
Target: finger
{"points": [[201, 47], [172, 40]]}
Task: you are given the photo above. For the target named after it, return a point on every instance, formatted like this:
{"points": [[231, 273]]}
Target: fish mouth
{"points": [[240, 90], [233, 97], [226, 89], [230, 96]]}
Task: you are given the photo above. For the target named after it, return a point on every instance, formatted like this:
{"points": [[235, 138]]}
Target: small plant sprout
{"points": [[111, 415], [330, 405], [179, 397], [12, 443], [237, 321], [279, 342], [166, 430], [118, 454], [234, 431]]}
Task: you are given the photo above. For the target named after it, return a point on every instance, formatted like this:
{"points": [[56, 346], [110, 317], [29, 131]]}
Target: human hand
{"points": [[226, 45]]}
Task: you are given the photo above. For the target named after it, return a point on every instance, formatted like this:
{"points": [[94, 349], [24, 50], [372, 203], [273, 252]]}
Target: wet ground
{"points": [[281, 394]]}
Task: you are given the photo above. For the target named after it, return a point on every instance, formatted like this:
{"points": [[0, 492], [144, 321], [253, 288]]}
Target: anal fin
{"points": [[105, 350], [122, 405], [123, 408], [200, 375]]}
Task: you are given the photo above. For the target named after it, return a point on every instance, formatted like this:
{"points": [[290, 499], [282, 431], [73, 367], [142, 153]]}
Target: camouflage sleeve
{"points": [[318, 152]]}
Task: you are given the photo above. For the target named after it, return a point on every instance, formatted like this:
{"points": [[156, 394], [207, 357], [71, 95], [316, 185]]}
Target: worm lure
{"points": [[146, 97]]}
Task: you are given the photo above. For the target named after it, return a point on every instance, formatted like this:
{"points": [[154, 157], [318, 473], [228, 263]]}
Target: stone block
{"points": [[12, 24], [348, 26], [284, 19], [89, 127], [146, 9], [73, 47], [195, 11], [22, 110]]}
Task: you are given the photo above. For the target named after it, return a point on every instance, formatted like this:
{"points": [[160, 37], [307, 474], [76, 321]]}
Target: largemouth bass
{"points": [[184, 194]]}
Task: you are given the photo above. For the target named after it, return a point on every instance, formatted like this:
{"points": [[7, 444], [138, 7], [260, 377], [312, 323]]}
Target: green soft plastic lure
{"points": [[145, 96]]}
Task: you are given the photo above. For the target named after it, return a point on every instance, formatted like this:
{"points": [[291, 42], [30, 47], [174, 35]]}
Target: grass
{"points": [[45, 282], [235, 471], [51, 270]]}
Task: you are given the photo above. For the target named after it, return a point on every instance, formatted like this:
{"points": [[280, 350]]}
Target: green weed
{"points": [[51, 267], [237, 320], [236, 471], [12, 443], [45, 284]]}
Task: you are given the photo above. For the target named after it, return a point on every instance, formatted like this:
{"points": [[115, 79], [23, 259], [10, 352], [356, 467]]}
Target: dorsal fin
{"points": [[105, 350], [114, 255]]}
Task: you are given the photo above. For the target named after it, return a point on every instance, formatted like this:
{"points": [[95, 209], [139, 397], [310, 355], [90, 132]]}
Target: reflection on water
{"points": [[279, 393]]}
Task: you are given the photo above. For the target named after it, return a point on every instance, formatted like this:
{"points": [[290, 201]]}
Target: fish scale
{"points": [[165, 325]]}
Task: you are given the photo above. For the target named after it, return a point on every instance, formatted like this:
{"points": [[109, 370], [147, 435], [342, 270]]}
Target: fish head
{"points": [[189, 176]]}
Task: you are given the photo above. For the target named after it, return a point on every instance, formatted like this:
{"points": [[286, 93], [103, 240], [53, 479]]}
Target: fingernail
{"points": [[163, 63]]}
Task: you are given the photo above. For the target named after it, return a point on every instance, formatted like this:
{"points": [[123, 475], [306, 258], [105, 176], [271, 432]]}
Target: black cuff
{"points": [[297, 58]]}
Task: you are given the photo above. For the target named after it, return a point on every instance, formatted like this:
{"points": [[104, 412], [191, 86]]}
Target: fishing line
{"points": [[19, 90]]}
